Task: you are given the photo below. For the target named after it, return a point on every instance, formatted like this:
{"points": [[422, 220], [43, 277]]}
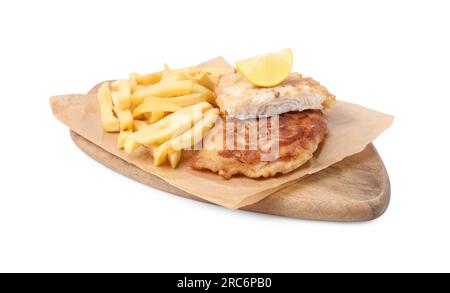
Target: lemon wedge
{"points": [[266, 70]]}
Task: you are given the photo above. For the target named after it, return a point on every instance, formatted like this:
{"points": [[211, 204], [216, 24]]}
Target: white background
{"points": [[60, 211]]}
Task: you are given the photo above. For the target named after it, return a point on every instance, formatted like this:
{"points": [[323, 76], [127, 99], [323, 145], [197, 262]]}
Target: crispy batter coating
{"points": [[300, 133], [238, 98]]}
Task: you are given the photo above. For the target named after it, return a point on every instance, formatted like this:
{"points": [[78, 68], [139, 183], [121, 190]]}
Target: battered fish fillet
{"points": [[300, 133], [238, 98]]}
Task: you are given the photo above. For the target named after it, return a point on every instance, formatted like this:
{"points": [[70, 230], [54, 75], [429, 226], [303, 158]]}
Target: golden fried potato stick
{"points": [[188, 138], [182, 101], [203, 79], [109, 122], [196, 88], [138, 125], [176, 75], [122, 137], [164, 134], [122, 86], [214, 78], [174, 158], [139, 87], [175, 127], [155, 106], [188, 111], [163, 90], [125, 116], [131, 144], [149, 79], [147, 118], [133, 81], [166, 71], [187, 73], [156, 116]]}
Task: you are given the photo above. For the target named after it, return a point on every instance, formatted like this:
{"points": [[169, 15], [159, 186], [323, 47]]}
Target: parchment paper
{"points": [[351, 128]]}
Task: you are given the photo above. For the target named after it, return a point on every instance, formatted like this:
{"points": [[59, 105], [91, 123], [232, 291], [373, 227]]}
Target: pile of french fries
{"points": [[167, 111]]}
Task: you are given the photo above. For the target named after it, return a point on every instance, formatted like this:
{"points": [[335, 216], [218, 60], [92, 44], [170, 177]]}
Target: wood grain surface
{"points": [[354, 189]]}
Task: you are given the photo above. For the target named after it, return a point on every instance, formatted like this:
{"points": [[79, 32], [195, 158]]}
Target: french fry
{"points": [[187, 73], [133, 81], [151, 148], [158, 136], [138, 125], [131, 144], [175, 127], [165, 111], [156, 116], [214, 78], [174, 158], [155, 106], [176, 75], [115, 85], [191, 110], [139, 87], [159, 156], [124, 116], [149, 79], [148, 118], [122, 86], [192, 99], [166, 72], [109, 121], [196, 88], [182, 101], [203, 79], [123, 135], [187, 139], [163, 90], [181, 118]]}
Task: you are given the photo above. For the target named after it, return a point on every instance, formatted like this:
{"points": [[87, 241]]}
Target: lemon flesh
{"points": [[266, 70]]}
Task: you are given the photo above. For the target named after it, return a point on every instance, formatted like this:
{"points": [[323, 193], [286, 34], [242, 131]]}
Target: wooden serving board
{"points": [[354, 189]]}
